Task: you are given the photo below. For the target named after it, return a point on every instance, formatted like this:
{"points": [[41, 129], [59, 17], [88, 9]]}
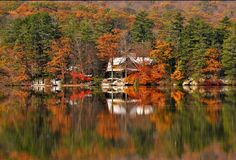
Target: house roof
{"points": [[119, 61]]}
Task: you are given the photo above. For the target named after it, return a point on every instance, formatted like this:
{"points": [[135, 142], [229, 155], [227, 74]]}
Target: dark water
{"points": [[131, 123]]}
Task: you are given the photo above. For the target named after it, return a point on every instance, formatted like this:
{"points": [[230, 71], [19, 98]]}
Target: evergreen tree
{"points": [[102, 27], [176, 31], [33, 35], [86, 31], [176, 34], [222, 32], [229, 55], [142, 28], [197, 37]]}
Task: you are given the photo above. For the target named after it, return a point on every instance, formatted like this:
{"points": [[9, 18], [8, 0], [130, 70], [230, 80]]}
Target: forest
{"points": [[55, 40]]}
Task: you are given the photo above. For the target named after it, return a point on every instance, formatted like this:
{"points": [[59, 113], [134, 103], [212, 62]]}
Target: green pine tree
{"points": [[176, 37], [197, 37], [34, 34], [229, 55], [222, 32], [86, 31], [142, 28]]}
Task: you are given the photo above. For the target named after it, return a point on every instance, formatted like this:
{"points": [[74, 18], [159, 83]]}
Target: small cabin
{"points": [[123, 66]]}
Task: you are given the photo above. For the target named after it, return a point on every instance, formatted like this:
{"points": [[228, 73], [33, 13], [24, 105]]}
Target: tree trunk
{"points": [[112, 69], [63, 74]]}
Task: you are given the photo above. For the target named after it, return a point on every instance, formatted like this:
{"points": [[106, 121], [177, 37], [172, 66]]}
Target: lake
{"points": [[119, 123]]}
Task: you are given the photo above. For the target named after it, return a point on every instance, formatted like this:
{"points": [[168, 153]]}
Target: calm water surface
{"points": [[119, 123]]}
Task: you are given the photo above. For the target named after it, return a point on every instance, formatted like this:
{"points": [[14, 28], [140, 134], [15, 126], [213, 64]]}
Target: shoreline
{"points": [[89, 85]]}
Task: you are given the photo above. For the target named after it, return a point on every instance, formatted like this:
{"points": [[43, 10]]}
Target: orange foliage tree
{"points": [[23, 64], [108, 46], [161, 54], [177, 74], [213, 65], [143, 75], [61, 50], [153, 74], [163, 51]]}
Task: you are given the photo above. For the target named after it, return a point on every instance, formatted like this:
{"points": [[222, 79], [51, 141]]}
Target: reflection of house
{"points": [[131, 107], [56, 82], [122, 66], [42, 82], [39, 82], [113, 89], [39, 88], [120, 103]]}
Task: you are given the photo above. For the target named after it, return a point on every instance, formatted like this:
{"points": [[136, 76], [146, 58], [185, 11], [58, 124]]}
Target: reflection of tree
{"points": [[212, 109], [162, 120], [213, 104], [44, 126], [108, 126], [229, 120], [143, 141], [177, 96], [60, 121], [31, 134], [147, 96]]}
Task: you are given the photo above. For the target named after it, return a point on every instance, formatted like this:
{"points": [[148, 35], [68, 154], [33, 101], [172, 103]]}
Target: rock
{"points": [[193, 83], [190, 79], [226, 82], [201, 80], [186, 83]]}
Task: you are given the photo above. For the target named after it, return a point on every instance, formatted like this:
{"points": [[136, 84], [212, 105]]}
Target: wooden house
{"points": [[123, 66], [119, 68]]}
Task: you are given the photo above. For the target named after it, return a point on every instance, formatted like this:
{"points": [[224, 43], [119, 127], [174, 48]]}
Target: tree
{"points": [[142, 28], [213, 64], [61, 50], [176, 38], [102, 26], [222, 32], [198, 36], [86, 31], [177, 75], [108, 46], [176, 29], [162, 52], [32, 36], [225, 24], [162, 56], [229, 55]]}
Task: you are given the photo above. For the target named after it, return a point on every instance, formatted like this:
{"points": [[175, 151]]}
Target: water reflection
{"points": [[118, 123]]}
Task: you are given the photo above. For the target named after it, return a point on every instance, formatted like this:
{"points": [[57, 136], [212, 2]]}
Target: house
{"points": [[119, 68], [123, 66]]}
